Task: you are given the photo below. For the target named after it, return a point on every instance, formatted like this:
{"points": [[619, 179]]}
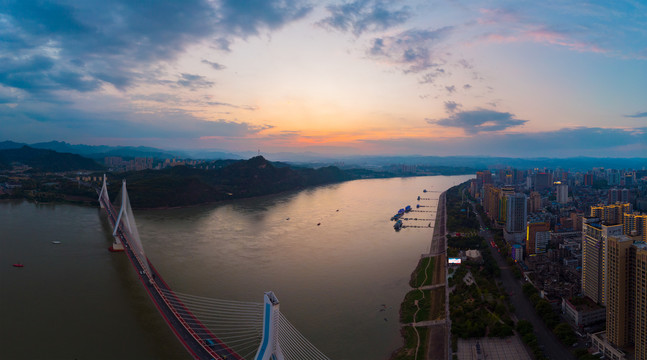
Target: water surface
{"points": [[330, 254]]}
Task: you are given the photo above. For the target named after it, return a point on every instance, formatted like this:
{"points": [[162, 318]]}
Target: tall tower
{"points": [[562, 192], [594, 257], [619, 292], [516, 215], [640, 302]]}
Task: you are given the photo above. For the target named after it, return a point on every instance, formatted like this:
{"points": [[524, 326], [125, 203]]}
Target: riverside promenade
{"points": [[439, 331]]}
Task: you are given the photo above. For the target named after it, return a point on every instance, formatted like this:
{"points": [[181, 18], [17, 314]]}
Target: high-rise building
{"points": [[611, 214], [640, 314], [531, 235], [516, 215], [543, 181], [491, 195], [619, 292], [635, 225], [562, 192], [594, 257], [534, 202], [627, 294], [588, 179], [617, 195], [484, 177]]}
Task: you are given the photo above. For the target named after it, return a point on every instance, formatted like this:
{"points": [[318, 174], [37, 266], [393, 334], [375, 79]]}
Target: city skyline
{"points": [[357, 77]]}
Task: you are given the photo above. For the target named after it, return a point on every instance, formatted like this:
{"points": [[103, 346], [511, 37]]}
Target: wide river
{"points": [[340, 282]]}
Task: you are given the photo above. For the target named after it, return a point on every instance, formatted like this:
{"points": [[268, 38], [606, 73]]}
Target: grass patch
{"points": [[418, 275], [432, 305], [407, 351]]}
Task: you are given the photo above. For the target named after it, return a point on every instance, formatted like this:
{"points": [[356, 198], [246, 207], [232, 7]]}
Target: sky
{"points": [[360, 77]]}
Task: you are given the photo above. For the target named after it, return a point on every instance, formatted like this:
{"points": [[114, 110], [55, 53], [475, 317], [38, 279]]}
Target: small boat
{"points": [[18, 265], [56, 242], [398, 225], [401, 211], [418, 206], [407, 208]]}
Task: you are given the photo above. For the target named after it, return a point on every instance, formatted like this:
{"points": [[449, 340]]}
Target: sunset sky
{"points": [[500, 78]]}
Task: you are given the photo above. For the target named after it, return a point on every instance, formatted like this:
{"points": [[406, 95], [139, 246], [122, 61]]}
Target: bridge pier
{"points": [[269, 348]]}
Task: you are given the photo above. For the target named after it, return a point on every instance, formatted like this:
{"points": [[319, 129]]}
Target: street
{"points": [[523, 308]]}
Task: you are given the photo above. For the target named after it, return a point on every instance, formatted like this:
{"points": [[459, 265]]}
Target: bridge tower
{"points": [[103, 197], [270, 348]]}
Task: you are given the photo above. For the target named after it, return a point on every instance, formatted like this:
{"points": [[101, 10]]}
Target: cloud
{"points": [[430, 77], [637, 115], [610, 28], [412, 49], [54, 122], [247, 18], [481, 120], [193, 81], [452, 106], [214, 65], [364, 15], [83, 44]]}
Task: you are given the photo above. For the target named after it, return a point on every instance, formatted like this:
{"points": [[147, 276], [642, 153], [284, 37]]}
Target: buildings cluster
{"points": [[118, 164], [581, 238]]}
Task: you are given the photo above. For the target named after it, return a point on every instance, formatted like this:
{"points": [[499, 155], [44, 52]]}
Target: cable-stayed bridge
{"points": [[210, 329]]}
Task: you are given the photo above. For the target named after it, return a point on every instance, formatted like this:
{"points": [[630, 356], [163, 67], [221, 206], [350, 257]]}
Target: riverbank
{"points": [[423, 312]]}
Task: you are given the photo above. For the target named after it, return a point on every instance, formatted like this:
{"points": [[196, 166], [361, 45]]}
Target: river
{"points": [[329, 253]]}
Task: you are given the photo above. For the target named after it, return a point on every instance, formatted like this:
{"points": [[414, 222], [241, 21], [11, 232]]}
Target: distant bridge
{"points": [[210, 329]]}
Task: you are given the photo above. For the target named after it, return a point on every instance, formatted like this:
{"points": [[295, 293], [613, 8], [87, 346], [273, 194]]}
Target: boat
{"points": [[56, 242], [18, 265], [398, 225]]}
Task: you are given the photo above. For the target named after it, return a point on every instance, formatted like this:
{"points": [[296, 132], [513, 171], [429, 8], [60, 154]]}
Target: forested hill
{"points": [[183, 186], [45, 160]]}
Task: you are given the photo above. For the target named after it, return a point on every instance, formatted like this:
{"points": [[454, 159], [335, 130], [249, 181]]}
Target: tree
{"points": [[524, 327], [565, 333]]}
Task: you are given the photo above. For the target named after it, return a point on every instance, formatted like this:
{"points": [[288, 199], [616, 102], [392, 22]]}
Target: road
{"points": [[523, 308]]}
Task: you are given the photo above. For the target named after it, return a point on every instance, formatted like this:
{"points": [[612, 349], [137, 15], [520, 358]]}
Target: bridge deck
{"points": [[195, 337]]}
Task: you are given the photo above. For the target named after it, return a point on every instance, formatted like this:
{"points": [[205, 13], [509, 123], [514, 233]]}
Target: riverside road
{"points": [[523, 308]]}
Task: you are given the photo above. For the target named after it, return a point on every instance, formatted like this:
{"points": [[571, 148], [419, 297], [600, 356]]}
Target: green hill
{"points": [[182, 186]]}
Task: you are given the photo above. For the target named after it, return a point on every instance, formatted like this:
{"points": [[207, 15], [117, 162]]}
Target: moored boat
{"points": [[398, 225]]}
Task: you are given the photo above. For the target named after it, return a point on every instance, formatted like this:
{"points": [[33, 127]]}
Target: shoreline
{"points": [[434, 331]]}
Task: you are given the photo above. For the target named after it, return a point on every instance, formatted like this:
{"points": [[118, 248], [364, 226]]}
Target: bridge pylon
{"points": [[269, 349]]}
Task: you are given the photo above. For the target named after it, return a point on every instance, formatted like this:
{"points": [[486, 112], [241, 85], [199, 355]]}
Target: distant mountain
{"points": [[102, 151], [46, 160], [10, 145]]}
